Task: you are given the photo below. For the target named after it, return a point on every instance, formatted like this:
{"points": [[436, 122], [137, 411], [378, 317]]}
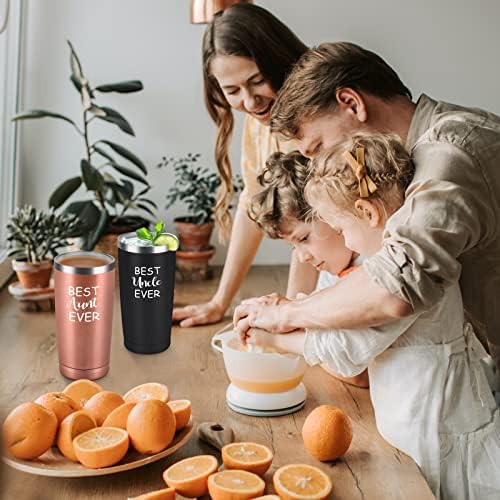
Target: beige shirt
{"points": [[448, 227], [257, 145]]}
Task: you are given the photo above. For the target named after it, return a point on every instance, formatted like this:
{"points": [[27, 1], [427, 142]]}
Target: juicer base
{"points": [[266, 404]]}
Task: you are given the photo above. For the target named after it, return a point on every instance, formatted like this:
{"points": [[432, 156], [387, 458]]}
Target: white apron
{"points": [[408, 385]]}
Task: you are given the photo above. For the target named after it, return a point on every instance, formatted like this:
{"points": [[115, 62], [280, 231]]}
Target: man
{"points": [[449, 225]]}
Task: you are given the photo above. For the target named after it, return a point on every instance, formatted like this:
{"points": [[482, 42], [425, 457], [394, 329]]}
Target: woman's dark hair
{"points": [[249, 31]]}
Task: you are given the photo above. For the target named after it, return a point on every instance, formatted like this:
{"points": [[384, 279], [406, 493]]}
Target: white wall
{"points": [[449, 49]]}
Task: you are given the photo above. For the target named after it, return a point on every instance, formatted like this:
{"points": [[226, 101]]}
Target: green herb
{"points": [[159, 238]]}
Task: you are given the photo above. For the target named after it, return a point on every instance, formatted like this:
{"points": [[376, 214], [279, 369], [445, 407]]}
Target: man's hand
{"points": [[270, 299], [261, 338]]}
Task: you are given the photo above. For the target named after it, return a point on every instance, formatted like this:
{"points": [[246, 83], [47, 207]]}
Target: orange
{"points": [[300, 481], [61, 404], [327, 433], [182, 412], [189, 476], [150, 390], [151, 426], [165, 494], [101, 447], [73, 425], [235, 485], [82, 390], [251, 457], [268, 497], [29, 430], [118, 417], [100, 405]]}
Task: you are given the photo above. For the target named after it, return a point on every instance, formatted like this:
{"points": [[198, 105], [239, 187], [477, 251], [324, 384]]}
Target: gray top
{"points": [[128, 242]]}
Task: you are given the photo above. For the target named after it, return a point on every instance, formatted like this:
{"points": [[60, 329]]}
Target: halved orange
{"points": [[268, 497], [74, 424], [301, 482], [251, 457], [182, 412], [150, 390], [82, 390], [235, 485], [165, 494], [101, 447], [189, 476], [118, 417]]}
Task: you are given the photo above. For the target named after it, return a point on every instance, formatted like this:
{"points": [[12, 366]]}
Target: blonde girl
{"points": [[429, 391]]}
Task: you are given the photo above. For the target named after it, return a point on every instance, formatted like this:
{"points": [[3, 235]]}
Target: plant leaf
{"points": [[127, 154], [40, 113], [93, 236], [129, 173], [144, 234], [113, 116], [121, 87], [149, 202], [76, 67], [87, 213], [103, 153], [64, 191], [144, 207], [91, 176], [159, 227]]}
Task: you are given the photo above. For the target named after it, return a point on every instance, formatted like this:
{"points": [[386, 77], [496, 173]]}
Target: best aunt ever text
{"points": [[145, 280], [83, 300]]}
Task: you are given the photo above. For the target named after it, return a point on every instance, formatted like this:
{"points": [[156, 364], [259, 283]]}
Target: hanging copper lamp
{"points": [[202, 11]]}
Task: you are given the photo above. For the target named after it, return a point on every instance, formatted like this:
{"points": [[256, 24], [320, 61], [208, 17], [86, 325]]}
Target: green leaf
{"points": [[144, 207], [91, 176], [129, 173], [94, 236], [126, 154], [76, 67], [121, 87], [41, 113], [113, 116], [64, 191], [126, 189], [103, 153], [87, 213], [149, 202], [144, 234], [159, 228]]}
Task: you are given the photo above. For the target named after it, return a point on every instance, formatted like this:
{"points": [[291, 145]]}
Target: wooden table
{"points": [[371, 469]]}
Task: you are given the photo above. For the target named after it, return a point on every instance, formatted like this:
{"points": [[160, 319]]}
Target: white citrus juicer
{"points": [[262, 383]]}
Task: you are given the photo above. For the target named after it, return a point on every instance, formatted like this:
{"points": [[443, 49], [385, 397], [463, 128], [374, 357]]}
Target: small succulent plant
{"points": [[35, 235]]}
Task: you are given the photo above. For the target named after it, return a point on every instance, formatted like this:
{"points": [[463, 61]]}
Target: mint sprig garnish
{"points": [[144, 234]]}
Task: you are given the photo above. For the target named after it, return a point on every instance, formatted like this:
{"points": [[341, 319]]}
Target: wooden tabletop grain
{"points": [[371, 469]]}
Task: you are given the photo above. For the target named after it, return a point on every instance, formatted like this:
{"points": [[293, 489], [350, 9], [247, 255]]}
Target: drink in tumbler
{"points": [[147, 278], [84, 288]]}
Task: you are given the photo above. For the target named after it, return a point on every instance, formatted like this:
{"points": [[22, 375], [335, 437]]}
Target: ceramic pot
{"points": [[193, 237], [33, 274]]}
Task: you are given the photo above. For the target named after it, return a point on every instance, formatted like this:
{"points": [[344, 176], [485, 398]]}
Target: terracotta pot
{"points": [[193, 237], [193, 266], [33, 274], [108, 241]]}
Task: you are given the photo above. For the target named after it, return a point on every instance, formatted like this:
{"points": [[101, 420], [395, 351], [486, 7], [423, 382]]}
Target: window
{"points": [[10, 54]]}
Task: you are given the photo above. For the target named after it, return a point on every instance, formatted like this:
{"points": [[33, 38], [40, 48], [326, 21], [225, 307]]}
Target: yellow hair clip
{"points": [[366, 185]]}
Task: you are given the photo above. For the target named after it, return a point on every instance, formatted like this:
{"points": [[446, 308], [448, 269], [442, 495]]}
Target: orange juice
{"points": [[267, 386]]}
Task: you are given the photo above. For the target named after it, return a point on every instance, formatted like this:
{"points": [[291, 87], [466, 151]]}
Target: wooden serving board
{"points": [[53, 463]]}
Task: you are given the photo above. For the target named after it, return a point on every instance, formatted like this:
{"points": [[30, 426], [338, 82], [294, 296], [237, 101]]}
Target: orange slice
{"points": [[165, 494], [100, 405], [72, 426], [268, 497], [118, 417], [182, 412], [101, 447], [300, 481], [150, 390], [82, 390], [189, 476], [235, 485], [251, 457]]}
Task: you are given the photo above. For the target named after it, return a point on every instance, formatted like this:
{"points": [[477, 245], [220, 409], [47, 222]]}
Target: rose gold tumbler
{"points": [[84, 287]]}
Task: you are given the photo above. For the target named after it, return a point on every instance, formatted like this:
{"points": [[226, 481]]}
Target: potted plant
{"points": [[112, 197], [34, 238], [196, 187]]}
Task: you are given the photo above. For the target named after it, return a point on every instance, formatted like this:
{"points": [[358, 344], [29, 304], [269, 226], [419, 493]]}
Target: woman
{"points": [[247, 54]]}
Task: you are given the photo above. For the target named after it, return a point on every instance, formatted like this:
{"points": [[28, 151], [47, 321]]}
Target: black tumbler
{"points": [[147, 278]]}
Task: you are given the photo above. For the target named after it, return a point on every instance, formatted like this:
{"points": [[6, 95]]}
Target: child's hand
{"points": [[262, 338]]}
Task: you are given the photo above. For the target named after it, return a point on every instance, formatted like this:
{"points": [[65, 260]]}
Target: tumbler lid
{"points": [[82, 262], [131, 243]]}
